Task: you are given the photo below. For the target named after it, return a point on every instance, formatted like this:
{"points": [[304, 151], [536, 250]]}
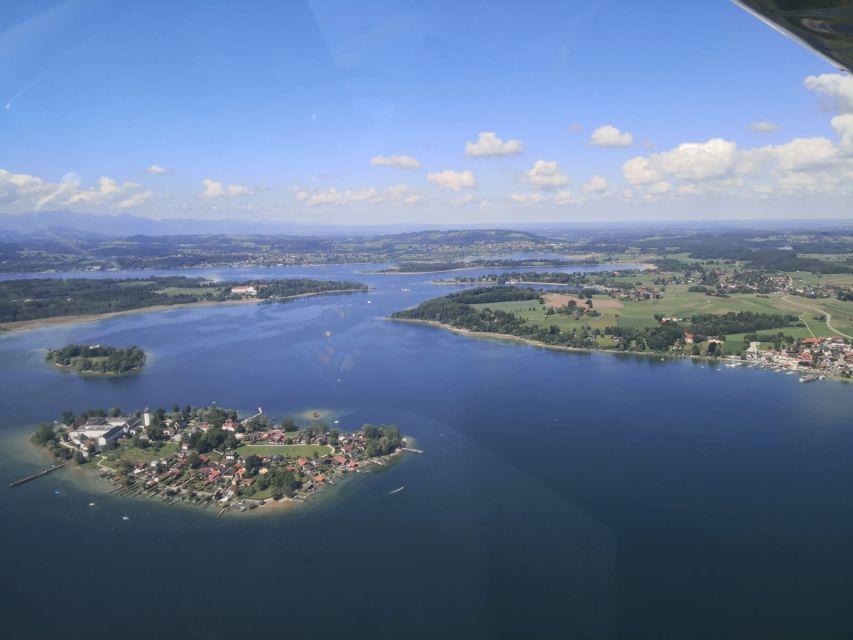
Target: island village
{"points": [[211, 457]]}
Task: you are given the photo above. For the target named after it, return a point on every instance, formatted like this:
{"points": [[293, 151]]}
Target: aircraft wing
{"points": [[826, 26]]}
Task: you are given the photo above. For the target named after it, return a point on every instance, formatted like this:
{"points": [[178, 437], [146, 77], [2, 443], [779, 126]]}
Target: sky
{"points": [[440, 112]]}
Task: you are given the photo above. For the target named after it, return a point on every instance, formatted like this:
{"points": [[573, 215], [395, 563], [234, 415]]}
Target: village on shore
{"points": [[811, 358], [211, 457]]}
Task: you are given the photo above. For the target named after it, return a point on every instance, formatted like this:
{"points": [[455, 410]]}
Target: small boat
{"points": [[91, 504], [397, 490], [405, 290], [125, 518]]}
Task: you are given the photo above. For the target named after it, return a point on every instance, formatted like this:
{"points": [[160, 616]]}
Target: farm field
{"points": [[681, 303]]}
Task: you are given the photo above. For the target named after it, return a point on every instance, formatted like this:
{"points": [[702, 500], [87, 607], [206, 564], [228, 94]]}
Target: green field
{"points": [[288, 450], [534, 313], [137, 455], [681, 303]]}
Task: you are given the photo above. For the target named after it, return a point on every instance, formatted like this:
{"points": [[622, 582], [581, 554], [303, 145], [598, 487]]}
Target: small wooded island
{"points": [[209, 456], [97, 359]]}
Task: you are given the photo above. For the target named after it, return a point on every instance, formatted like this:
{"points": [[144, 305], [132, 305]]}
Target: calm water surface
{"points": [[561, 495]]}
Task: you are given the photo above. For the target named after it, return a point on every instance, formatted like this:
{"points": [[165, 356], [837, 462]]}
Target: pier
{"points": [[410, 450], [37, 475]]}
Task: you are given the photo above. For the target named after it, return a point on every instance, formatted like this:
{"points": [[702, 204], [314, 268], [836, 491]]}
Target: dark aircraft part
{"points": [[826, 26]]}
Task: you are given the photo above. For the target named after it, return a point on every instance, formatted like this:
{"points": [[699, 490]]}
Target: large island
{"points": [[210, 456], [29, 302]]}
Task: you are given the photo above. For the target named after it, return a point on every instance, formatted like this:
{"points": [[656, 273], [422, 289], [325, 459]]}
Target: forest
{"points": [[98, 358], [31, 299]]}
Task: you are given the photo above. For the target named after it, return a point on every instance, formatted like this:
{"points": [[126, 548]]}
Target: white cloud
{"points": [[799, 154], [837, 90], [157, 169], [718, 167], [23, 192], [688, 161], [610, 136], [658, 188], [463, 200], [527, 198], [401, 162], [488, 144], [546, 174], [135, 200], [639, 171], [214, 189], [596, 184], [396, 194], [564, 197], [843, 126], [763, 126], [453, 180]]}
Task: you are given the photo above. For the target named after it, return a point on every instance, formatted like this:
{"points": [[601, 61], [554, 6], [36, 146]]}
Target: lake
{"points": [[560, 495]]}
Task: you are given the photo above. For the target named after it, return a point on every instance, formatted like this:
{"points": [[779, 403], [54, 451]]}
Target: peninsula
{"points": [[28, 302], [210, 456], [637, 319], [97, 359]]}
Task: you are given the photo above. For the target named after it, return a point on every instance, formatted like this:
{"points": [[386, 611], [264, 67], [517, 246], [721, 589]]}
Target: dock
{"points": [[44, 472], [410, 450]]}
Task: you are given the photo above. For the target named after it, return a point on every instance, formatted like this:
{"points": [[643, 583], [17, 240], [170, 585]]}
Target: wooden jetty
{"points": [[37, 475]]}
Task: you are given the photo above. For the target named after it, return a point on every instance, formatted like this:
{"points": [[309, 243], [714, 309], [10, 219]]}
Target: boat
{"points": [[397, 490], [808, 378]]}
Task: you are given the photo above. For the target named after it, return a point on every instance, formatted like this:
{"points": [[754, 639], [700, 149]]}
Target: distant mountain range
{"points": [[69, 223]]}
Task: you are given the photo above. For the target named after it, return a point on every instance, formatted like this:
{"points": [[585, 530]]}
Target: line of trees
{"points": [[98, 358], [713, 324]]}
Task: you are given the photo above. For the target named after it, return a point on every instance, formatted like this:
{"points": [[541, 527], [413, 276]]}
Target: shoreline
{"points": [[642, 267], [36, 323], [643, 354]]}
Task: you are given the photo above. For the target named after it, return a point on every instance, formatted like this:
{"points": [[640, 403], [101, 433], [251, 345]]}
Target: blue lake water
{"points": [[561, 495]]}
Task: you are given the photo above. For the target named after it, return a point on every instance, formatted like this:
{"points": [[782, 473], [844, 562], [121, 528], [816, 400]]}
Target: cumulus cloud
{"points": [[22, 192], [488, 144], [546, 174], [805, 165], [214, 189], [596, 184], [836, 89], [688, 161], [527, 198], [453, 180], [564, 197], [401, 162], [843, 126], [396, 194], [135, 200], [610, 136], [799, 154], [763, 126], [157, 169]]}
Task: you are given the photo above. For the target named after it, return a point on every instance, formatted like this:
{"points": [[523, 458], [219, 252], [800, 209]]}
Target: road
{"points": [[826, 314]]}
